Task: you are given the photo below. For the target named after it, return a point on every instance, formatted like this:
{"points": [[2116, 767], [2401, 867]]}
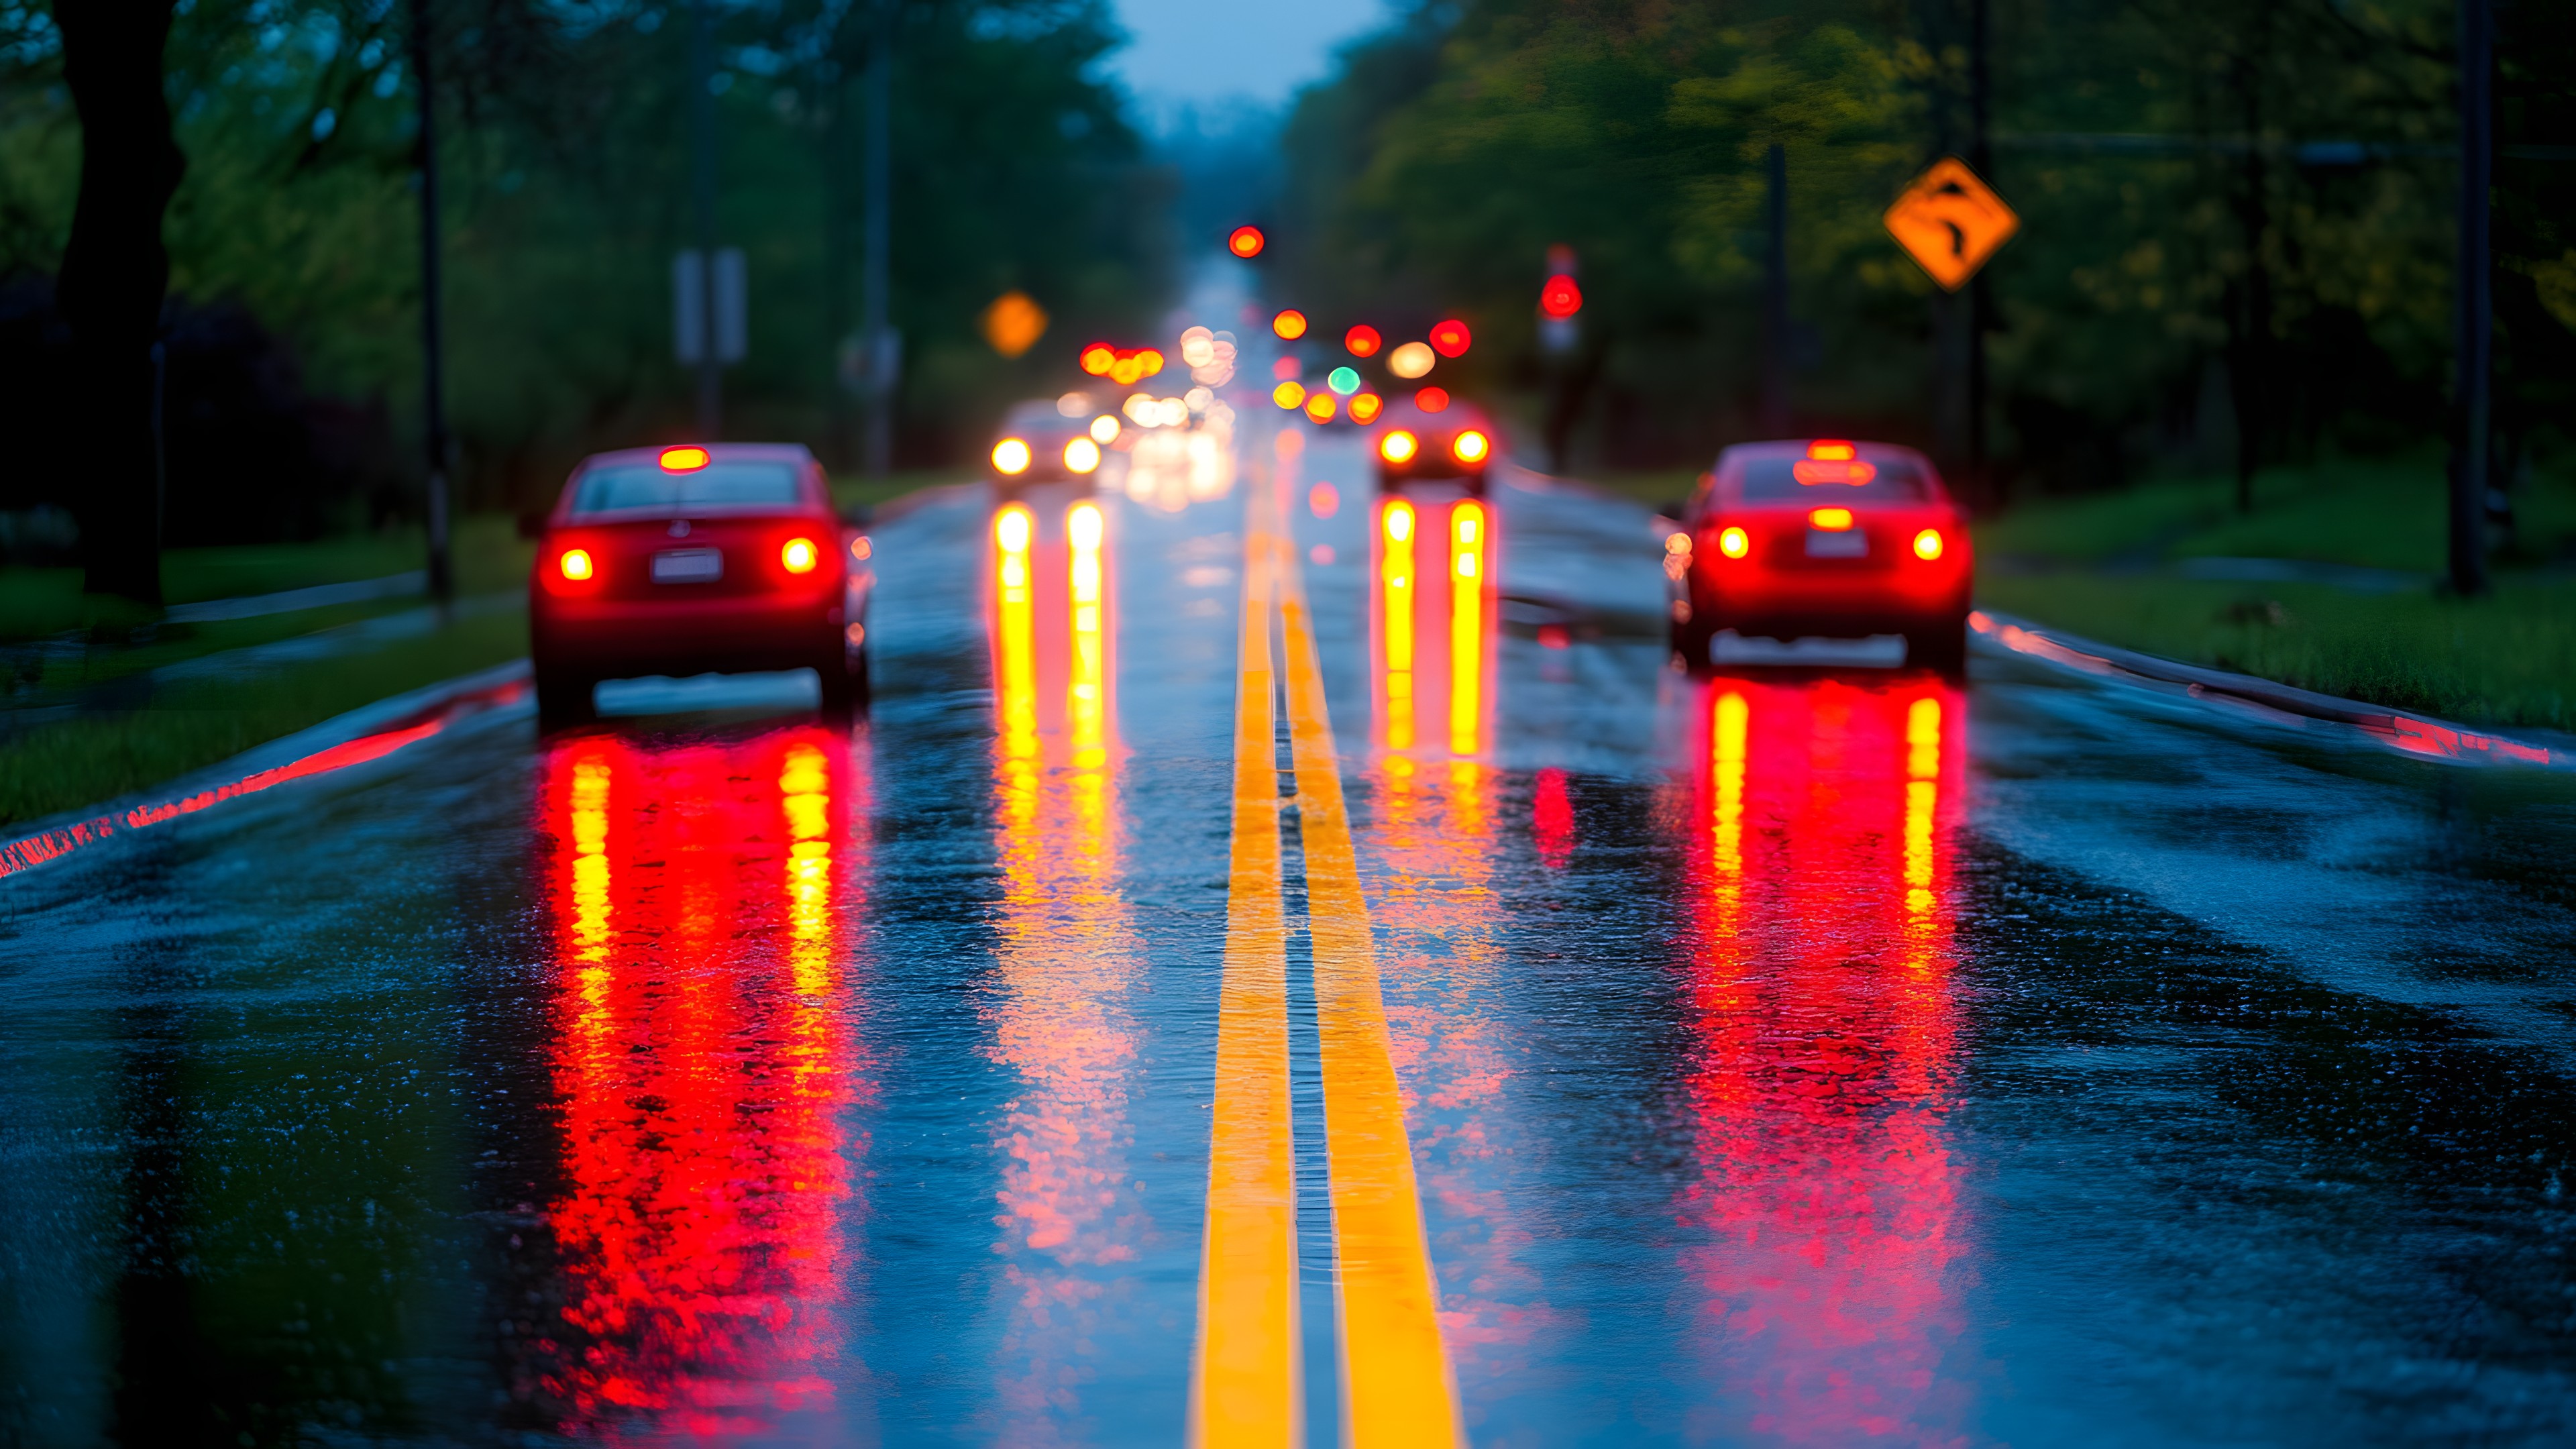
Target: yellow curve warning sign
{"points": [[1950, 221]]}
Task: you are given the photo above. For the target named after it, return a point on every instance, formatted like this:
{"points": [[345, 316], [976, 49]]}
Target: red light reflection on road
{"points": [[702, 1067], [1070, 1216], [1823, 1051]]}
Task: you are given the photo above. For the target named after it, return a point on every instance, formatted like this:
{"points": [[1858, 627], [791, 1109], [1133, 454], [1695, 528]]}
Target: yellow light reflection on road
{"points": [[1467, 542], [1922, 793], [1396, 528], [1071, 1218], [1727, 726]]}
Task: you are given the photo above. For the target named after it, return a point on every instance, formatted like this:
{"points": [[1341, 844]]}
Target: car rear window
{"points": [[642, 485], [1775, 480]]}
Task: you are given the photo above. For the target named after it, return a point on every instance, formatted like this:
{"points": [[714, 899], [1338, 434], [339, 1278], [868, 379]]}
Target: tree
{"points": [[115, 273]]}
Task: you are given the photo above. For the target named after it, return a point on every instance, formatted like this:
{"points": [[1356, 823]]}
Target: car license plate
{"points": [[688, 566], [1840, 543]]}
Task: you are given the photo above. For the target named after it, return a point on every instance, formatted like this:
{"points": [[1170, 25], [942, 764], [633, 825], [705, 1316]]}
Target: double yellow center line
{"points": [[1246, 1386]]}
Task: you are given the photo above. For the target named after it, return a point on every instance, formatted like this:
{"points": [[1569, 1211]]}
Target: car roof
{"points": [[1797, 448], [1040, 412], [796, 453], [1459, 414]]}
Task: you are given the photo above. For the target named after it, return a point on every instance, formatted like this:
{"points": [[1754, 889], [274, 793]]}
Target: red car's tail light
{"points": [[1927, 544], [1734, 543], [1470, 447], [799, 555], [683, 460], [1398, 446], [575, 564], [1831, 520]]}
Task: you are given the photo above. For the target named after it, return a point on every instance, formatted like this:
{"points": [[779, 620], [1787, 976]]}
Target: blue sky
{"points": [[1211, 52]]}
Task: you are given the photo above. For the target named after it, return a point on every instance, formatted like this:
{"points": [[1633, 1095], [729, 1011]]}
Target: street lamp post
{"points": [[434, 441], [2472, 401]]}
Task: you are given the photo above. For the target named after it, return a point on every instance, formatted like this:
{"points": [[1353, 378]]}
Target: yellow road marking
{"points": [[1396, 1388], [1245, 1384]]}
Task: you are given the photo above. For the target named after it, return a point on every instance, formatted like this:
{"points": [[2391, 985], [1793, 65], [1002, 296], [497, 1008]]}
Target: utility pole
{"points": [[1980, 301], [442, 571], [2473, 402], [702, 147], [875, 278], [1776, 341]]}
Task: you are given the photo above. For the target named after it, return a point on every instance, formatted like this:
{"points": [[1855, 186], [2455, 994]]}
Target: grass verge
{"points": [[40, 603], [84, 761], [2505, 659]]}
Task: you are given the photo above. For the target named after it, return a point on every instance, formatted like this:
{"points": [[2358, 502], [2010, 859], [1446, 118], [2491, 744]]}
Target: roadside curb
{"points": [[2417, 735], [369, 732]]}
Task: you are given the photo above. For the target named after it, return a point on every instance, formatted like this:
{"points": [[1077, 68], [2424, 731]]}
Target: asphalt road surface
{"points": [[1262, 975]]}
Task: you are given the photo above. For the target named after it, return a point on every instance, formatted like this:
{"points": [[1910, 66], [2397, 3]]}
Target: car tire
{"points": [[565, 698], [1691, 640], [845, 683], [1941, 646]]}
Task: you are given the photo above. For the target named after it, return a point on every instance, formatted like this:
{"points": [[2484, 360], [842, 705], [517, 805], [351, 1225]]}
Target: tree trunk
{"points": [[114, 276]]}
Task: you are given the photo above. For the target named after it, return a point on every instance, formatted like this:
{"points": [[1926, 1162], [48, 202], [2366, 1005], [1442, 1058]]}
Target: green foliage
{"points": [[2185, 273], [566, 165]]}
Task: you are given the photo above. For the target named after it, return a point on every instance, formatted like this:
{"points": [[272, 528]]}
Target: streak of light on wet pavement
{"points": [[1297, 967]]}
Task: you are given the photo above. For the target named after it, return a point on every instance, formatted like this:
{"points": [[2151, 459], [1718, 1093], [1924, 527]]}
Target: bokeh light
{"points": [[1343, 380], [1246, 242], [1366, 407], [1288, 394], [1290, 324], [1432, 399], [1450, 338], [1412, 360], [1321, 406], [1363, 341]]}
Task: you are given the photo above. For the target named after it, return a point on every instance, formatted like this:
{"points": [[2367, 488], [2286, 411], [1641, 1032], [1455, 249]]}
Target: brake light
{"points": [[1081, 455], [1011, 456], [1927, 544], [1734, 544], [1831, 520], [683, 460], [1832, 450], [575, 564], [1470, 447], [1398, 446], [800, 555]]}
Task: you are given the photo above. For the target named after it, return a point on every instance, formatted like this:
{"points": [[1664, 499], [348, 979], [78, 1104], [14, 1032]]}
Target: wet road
{"points": [[1265, 962]]}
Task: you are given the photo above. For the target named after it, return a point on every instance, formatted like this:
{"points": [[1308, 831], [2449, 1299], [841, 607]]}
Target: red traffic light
{"points": [[1363, 341], [1246, 242], [1450, 339], [1560, 298]]}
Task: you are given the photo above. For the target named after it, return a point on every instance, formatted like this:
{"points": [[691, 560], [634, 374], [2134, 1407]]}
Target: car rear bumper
{"points": [[1834, 603], [613, 637]]}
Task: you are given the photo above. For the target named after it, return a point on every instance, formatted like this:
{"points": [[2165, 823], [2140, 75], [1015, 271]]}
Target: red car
{"points": [[1456, 441], [1828, 538], [692, 560]]}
